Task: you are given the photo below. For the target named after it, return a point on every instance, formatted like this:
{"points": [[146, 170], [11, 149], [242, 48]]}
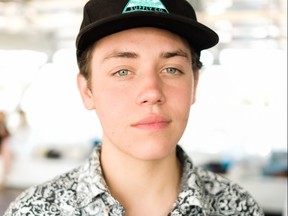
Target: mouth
{"points": [[152, 123]]}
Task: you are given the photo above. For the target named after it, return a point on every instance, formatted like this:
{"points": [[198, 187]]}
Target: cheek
{"points": [[180, 101], [113, 113], [111, 104], [186, 95], [194, 91]]}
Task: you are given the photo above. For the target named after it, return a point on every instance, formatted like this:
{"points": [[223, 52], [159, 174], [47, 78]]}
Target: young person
{"points": [[139, 69]]}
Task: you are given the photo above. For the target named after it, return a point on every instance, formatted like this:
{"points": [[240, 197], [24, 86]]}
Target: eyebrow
{"points": [[175, 53], [120, 54], [133, 55]]}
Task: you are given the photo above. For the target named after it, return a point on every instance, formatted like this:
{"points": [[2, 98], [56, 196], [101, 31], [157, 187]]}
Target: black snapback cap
{"points": [[105, 17]]}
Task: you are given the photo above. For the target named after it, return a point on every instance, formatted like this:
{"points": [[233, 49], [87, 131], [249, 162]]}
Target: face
{"points": [[142, 88]]}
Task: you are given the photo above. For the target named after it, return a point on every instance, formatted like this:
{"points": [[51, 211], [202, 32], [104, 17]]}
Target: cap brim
{"points": [[198, 35]]}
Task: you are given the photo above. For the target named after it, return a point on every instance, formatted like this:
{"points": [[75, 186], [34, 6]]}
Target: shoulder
{"points": [[225, 196], [50, 198], [214, 193], [65, 195], [217, 184]]}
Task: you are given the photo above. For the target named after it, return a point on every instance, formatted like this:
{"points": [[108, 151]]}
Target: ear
{"points": [[195, 84], [85, 92]]}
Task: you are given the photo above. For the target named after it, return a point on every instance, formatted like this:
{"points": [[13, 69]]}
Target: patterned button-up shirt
{"points": [[83, 191]]}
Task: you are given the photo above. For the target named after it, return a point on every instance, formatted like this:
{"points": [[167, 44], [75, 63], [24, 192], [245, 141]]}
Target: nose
{"points": [[150, 90]]}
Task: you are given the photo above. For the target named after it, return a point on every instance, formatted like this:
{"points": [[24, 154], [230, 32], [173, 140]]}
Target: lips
{"points": [[153, 122]]}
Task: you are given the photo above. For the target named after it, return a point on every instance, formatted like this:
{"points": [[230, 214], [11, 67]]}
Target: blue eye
{"points": [[172, 70], [122, 72]]}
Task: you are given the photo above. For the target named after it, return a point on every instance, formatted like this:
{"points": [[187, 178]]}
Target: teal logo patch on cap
{"points": [[145, 5]]}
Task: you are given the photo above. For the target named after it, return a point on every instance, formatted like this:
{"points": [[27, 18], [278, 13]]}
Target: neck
{"points": [[132, 181]]}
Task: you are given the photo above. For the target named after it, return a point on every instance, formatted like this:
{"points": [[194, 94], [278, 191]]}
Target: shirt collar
{"points": [[192, 188], [91, 182]]}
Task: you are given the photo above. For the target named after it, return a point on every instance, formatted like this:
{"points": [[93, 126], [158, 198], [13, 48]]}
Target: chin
{"points": [[152, 150]]}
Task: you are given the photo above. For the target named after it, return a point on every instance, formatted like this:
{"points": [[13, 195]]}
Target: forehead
{"points": [[141, 34]]}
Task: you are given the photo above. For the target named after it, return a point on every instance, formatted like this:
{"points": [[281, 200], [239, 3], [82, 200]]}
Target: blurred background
{"points": [[238, 126]]}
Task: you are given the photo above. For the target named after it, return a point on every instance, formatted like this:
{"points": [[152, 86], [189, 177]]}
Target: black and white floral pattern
{"points": [[83, 191]]}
